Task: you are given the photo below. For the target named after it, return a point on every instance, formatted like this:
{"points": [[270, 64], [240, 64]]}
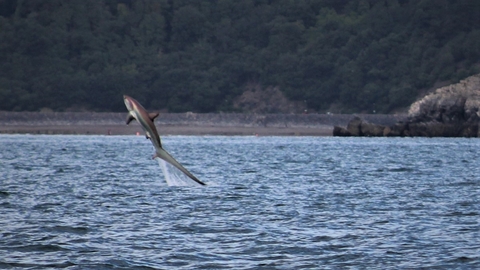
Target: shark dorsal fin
{"points": [[152, 116], [130, 118]]}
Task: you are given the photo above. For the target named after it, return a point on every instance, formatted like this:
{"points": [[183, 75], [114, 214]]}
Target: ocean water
{"points": [[101, 202]]}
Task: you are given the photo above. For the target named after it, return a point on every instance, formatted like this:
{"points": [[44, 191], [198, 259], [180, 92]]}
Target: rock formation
{"points": [[359, 127], [450, 111]]}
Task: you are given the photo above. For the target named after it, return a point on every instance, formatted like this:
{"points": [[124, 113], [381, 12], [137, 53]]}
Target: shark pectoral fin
{"points": [[130, 118], [161, 153], [152, 116]]}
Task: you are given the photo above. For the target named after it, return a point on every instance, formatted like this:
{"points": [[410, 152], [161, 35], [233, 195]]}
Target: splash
{"points": [[174, 176]]}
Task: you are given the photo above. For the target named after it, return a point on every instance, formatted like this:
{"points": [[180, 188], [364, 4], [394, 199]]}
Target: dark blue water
{"points": [[98, 202]]}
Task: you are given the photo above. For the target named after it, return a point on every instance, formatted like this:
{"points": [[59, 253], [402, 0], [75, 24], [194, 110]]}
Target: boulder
{"points": [[354, 126], [397, 130], [359, 127], [371, 130], [340, 132]]}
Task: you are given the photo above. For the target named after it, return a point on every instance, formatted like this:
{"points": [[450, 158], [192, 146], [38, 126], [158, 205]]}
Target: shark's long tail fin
{"points": [[161, 153]]}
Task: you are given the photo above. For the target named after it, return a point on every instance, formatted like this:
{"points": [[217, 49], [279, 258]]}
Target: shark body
{"points": [[137, 112]]}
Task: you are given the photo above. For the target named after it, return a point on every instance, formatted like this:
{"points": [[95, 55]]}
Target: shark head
{"points": [[128, 102]]}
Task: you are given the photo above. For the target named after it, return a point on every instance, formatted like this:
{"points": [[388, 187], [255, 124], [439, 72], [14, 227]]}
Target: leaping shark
{"points": [[137, 112]]}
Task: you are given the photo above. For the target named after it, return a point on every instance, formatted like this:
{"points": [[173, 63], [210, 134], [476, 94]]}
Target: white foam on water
{"points": [[173, 176]]}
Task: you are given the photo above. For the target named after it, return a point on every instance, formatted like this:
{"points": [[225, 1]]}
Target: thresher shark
{"points": [[137, 111]]}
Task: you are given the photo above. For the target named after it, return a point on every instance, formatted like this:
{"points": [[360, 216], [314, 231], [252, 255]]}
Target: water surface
{"points": [[101, 202]]}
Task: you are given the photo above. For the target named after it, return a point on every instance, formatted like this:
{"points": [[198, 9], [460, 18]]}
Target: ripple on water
{"points": [[100, 202]]}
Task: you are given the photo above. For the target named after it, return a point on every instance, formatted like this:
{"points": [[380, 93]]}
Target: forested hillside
{"points": [[188, 55]]}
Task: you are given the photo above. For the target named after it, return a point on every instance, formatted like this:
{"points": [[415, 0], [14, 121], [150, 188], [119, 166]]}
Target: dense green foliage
{"points": [[339, 55]]}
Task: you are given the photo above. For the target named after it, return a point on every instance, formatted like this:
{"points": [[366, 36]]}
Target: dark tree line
{"points": [[188, 55]]}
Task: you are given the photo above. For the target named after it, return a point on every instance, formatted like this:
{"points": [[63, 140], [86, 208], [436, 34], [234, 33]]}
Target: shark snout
{"points": [[128, 102]]}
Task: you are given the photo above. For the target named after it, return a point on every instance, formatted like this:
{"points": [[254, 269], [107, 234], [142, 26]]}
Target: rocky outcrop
{"points": [[341, 132], [450, 111], [397, 130], [359, 127]]}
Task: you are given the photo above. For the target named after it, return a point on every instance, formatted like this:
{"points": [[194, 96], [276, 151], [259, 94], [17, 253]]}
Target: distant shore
{"points": [[135, 129], [229, 124]]}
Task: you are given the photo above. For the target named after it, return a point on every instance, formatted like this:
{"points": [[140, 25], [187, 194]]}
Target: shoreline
{"points": [[134, 129], [228, 124]]}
